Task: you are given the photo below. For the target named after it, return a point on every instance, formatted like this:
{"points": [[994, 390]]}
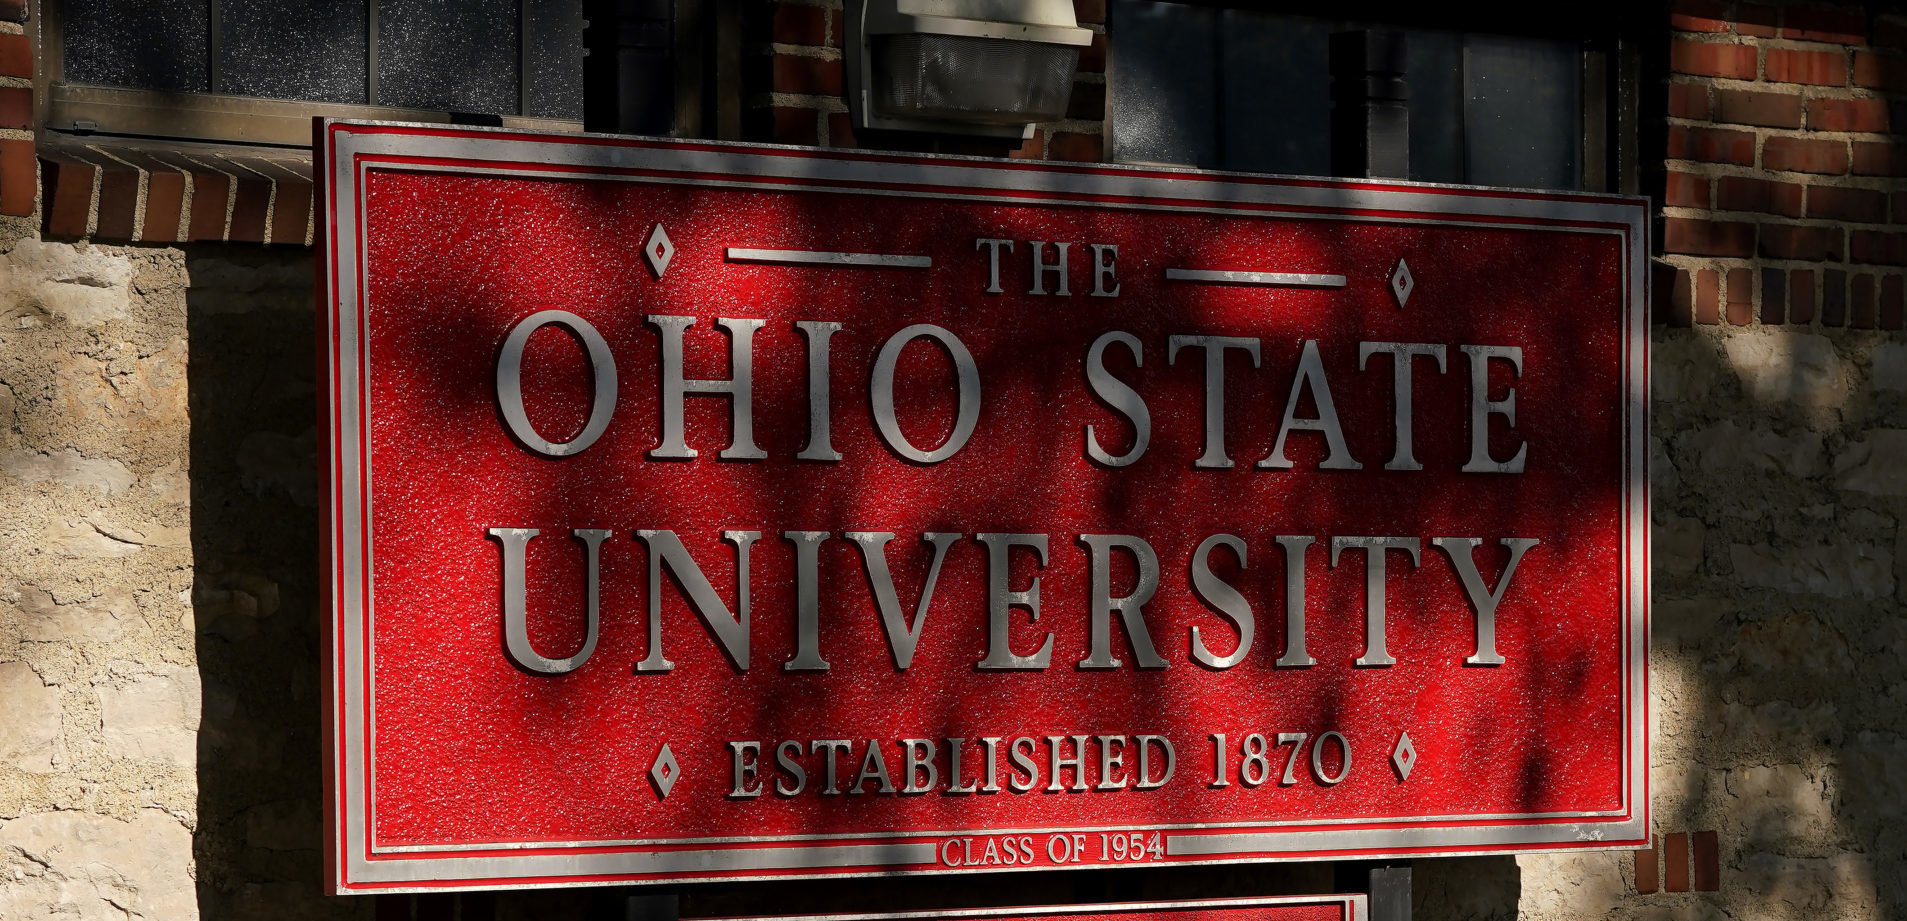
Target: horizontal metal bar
{"points": [[812, 257], [1267, 279]]}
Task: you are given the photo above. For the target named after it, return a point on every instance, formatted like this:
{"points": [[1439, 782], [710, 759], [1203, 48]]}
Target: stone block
{"points": [[82, 284], [1876, 464], [1781, 805], [153, 718], [77, 866], [32, 722], [1890, 367], [1843, 883], [1729, 445], [1846, 570], [98, 619], [1678, 545], [1782, 367], [67, 468]]}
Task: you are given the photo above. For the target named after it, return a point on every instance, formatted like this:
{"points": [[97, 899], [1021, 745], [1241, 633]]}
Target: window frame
{"points": [[1609, 57], [87, 110]]}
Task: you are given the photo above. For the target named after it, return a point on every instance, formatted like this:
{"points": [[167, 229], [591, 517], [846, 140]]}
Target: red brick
{"points": [[1880, 71], [1763, 196], [1712, 59], [805, 76], [1708, 238], [1834, 298], [1801, 296], [1804, 156], [118, 202], [1686, 190], [16, 57], [1669, 294], [1790, 241], [1840, 25], [1088, 102], [1089, 10], [1755, 19], [1879, 247], [1092, 58], [1078, 148], [1847, 114], [16, 107], [1774, 297], [19, 177], [799, 24], [1699, 16], [211, 192], [1712, 145], [1819, 68], [1893, 314], [13, 10], [1879, 158], [1648, 870], [1688, 100], [1890, 32], [1860, 206], [290, 211], [1767, 110], [1899, 207], [837, 27], [1741, 297], [1675, 862], [793, 125], [67, 190], [165, 199], [1034, 148], [1863, 310], [1708, 310], [251, 209]]}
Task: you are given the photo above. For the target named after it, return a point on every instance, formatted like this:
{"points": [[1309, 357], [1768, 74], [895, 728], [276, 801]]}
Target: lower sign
{"points": [[1275, 908], [705, 511]]}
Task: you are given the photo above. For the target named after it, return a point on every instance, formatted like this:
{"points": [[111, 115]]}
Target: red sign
{"points": [[705, 511], [1277, 908]]}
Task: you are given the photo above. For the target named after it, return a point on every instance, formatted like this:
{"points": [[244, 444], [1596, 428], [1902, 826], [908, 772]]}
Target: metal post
{"points": [[1387, 883], [1370, 105], [629, 75]]}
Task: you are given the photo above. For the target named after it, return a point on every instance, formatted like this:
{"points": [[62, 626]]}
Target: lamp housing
{"points": [[987, 67]]}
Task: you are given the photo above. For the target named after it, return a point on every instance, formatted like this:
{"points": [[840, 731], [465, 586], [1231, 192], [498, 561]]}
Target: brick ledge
{"points": [[123, 191]]}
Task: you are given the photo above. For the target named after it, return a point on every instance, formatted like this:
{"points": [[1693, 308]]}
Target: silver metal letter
{"points": [[1482, 408], [731, 630], [746, 757], [881, 392], [1112, 758], [807, 602], [834, 748], [956, 785], [1001, 602], [918, 755], [817, 333], [1375, 653], [1483, 601], [516, 631], [1120, 396], [1218, 595], [1040, 268], [602, 369], [1057, 763], [1295, 547], [1214, 347], [1311, 373], [1103, 269], [1146, 780], [901, 635], [1401, 354], [1131, 607], [993, 261], [739, 388], [786, 759]]}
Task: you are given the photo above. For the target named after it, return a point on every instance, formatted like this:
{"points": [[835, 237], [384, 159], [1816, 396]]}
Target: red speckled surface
{"points": [[469, 749]]}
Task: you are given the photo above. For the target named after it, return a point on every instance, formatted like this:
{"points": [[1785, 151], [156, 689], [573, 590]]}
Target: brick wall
{"points": [[1784, 202], [795, 88]]}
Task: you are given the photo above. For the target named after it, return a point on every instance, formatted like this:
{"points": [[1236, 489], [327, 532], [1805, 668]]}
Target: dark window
{"points": [[500, 58], [1245, 90]]}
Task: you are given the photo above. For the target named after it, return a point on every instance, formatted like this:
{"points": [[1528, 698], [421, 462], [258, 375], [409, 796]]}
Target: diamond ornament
{"points": [[658, 250], [664, 771], [1401, 282], [1404, 756]]}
